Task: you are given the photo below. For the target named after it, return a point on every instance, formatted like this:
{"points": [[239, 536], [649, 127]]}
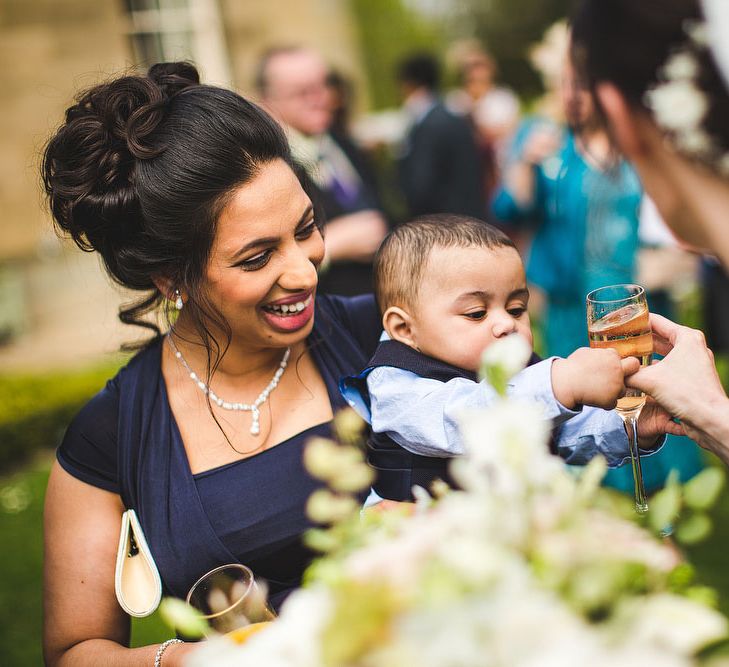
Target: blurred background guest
{"points": [[439, 163], [493, 110], [292, 83], [585, 202]]}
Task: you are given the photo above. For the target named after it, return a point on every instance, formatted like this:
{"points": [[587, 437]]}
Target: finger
{"points": [[643, 379], [664, 328], [661, 345], [672, 428], [629, 365]]}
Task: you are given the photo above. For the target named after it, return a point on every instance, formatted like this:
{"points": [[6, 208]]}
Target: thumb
{"points": [[630, 365], [643, 379]]}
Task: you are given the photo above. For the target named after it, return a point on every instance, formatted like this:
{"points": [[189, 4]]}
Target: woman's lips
{"points": [[290, 316]]}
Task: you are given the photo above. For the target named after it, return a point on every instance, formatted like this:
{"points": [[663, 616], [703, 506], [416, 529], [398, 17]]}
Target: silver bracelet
{"points": [[162, 648]]}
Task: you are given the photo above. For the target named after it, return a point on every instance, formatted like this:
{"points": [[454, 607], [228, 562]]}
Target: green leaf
{"points": [[182, 617], [496, 377], [664, 507], [702, 491], [694, 529]]}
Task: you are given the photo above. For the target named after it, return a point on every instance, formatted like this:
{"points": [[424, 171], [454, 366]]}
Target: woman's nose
{"points": [[299, 271]]}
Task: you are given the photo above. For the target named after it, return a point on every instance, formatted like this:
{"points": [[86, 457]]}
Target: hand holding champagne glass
{"points": [[617, 317]]}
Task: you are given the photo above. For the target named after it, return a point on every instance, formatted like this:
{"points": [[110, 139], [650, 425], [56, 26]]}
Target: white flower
{"points": [[677, 105], [509, 437], [696, 30], [694, 141], [681, 65], [508, 356], [673, 623], [323, 506], [294, 640]]}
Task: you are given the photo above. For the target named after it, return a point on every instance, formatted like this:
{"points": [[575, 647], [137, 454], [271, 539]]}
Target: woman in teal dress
{"points": [[583, 204]]}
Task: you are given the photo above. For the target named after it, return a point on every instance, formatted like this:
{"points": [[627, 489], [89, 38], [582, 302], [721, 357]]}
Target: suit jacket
{"points": [[440, 170], [348, 278]]}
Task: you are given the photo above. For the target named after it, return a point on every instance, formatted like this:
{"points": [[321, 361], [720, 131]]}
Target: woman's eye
{"points": [[476, 315], [256, 262], [306, 232]]}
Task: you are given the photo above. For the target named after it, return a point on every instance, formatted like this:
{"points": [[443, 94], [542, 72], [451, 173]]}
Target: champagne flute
{"points": [[229, 599], [617, 317]]}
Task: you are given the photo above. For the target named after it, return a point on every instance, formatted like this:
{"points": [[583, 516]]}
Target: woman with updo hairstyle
{"points": [[659, 71], [190, 196]]}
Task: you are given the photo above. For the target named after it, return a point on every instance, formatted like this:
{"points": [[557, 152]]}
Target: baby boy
{"points": [[448, 287]]}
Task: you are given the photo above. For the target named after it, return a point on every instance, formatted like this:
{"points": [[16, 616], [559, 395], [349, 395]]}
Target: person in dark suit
{"points": [[292, 83], [440, 169]]}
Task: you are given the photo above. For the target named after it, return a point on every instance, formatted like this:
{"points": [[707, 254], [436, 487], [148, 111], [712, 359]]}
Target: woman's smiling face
{"points": [[262, 271]]}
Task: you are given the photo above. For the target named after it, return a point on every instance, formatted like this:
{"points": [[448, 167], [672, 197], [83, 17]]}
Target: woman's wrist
{"points": [[165, 650], [710, 428]]}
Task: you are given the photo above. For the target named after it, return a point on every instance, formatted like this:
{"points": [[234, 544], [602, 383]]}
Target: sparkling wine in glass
{"points": [[617, 317], [229, 599]]}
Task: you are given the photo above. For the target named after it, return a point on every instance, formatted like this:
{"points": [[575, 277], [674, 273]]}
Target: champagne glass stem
{"points": [[630, 422]]}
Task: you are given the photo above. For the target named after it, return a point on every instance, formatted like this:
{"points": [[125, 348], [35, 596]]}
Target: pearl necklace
{"points": [[253, 408]]}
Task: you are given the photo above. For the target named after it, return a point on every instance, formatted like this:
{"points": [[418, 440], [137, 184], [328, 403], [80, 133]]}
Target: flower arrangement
{"points": [[526, 565]]}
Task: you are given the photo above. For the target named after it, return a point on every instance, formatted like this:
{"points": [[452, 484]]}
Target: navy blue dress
{"points": [[125, 440]]}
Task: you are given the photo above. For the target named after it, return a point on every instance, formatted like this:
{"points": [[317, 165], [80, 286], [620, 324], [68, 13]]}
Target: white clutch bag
{"points": [[136, 581]]}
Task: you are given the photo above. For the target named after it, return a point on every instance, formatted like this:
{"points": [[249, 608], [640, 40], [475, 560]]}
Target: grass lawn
{"points": [[21, 522]]}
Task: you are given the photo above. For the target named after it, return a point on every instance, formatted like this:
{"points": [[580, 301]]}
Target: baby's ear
{"points": [[399, 326]]}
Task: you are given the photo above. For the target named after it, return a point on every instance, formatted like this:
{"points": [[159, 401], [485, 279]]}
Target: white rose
{"points": [[504, 359], [677, 105], [681, 65]]}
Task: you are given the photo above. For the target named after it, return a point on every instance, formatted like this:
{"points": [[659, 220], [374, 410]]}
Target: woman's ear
{"points": [[168, 289], [165, 286], [399, 326]]}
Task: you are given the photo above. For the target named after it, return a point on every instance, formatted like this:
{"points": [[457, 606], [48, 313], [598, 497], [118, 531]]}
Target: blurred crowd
{"points": [[547, 174]]}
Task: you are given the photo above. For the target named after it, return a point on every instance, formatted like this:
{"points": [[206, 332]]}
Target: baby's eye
{"points": [[476, 315], [517, 312]]}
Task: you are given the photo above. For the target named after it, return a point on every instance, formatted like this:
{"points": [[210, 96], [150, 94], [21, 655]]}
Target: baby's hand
{"points": [[591, 377]]}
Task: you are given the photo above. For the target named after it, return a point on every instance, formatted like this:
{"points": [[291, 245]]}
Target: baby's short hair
{"points": [[400, 262]]}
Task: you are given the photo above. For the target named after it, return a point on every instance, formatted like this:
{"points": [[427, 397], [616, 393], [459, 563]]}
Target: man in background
{"points": [[440, 168], [292, 83]]}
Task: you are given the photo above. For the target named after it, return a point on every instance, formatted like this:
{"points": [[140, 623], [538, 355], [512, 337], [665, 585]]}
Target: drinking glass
{"points": [[617, 317], [229, 598]]}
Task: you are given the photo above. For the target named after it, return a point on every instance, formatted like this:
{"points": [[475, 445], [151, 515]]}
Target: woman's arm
{"points": [[83, 623], [685, 383]]}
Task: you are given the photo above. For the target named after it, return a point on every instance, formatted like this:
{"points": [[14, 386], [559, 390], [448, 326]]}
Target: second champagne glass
{"points": [[229, 599], [617, 317]]}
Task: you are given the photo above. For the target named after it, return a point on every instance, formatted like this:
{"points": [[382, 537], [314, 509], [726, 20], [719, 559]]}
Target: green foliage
{"points": [[665, 505], [390, 31], [36, 409], [694, 529], [685, 507], [702, 491]]}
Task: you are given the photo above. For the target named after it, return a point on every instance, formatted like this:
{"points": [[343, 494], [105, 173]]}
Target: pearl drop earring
{"points": [[178, 301]]}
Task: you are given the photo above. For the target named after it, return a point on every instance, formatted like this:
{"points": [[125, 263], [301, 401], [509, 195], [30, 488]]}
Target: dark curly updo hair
{"points": [[140, 171]]}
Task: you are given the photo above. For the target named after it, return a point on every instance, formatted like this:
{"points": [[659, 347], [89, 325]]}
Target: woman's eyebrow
{"points": [[268, 240]]}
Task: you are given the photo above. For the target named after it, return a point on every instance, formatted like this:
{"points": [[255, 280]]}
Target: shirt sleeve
{"points": [[595, 431], [422, 415], [88, 451]]}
